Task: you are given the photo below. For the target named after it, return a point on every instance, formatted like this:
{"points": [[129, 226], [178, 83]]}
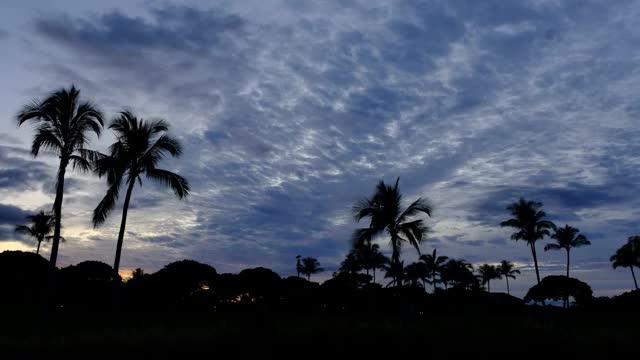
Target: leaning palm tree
{"points": [[628, 255], [528, 221], [310, 266], [395, 271], [63, 125], [434, 265], [40, 226], [506, 269], [567, 238], [387, 214], [140, 146], [487, 273]]}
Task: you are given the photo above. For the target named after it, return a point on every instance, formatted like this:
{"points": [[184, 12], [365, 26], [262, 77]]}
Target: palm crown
{"points": [[434, 265], [566, 238], [385, 211], [40, 225]]}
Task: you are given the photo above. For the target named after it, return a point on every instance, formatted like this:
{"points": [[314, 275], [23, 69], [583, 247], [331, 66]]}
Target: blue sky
{"points": [[292, 110]]}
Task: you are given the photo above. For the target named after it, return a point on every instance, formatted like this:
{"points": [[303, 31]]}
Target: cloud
{"points": [[291, 111]]}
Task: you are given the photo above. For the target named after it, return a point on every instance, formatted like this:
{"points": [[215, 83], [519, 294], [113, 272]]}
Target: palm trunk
{"points": [[308, 277], [395, 257], [508, 292], [57, 209], [535, 260], [434, 281], [38, 248], [374, 275], [634, 277], [489, 286], [567, 262], [123, 224]]}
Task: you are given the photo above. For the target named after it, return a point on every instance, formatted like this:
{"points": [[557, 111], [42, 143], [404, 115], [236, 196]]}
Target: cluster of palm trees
{"points": [[63, 125]]}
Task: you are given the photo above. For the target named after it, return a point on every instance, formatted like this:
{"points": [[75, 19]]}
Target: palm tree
{"points": [[40, 226], [351, 264], [506, 269], [386, 214], [527, 219], [567, 238], [63, 127], [141, 145], [414, 273], [310, 266], [434, 265], [628, 255], [487, 273], [395, 271], [298, 266], [371, 258], [459, 273]]}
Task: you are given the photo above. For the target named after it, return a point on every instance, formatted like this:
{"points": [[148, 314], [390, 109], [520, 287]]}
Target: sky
{"points": [[290, 111]]}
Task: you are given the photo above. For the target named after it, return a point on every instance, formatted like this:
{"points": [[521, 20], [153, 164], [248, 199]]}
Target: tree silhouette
{"points": [[415, 273], [136, 274], [63, 126], [528, 220], [40, 226], [567, 238], [506, 269], [371, 258], [310, 266], [559, 287], [140, 147], [386, 214], [628, 255], [459, 273], [351, 264], [434, 265], [394, 270], [298, 265], [487, 273]]}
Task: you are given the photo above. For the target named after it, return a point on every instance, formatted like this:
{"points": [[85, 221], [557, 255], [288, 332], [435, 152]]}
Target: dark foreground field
{"points": [[536, 331]]}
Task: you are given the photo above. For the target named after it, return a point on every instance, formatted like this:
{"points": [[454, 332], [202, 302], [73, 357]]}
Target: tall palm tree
{"points": [[628, 255], [40, 226], [528, 221], [434, 265], [459, 273], [371, 258], [387, 214], [506, 269], [310, 266], [140, 146], [63, 124], [567, 238], [487, 273]]}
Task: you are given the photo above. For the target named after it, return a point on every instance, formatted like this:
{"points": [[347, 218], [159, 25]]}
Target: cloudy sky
{"points": [[289, 111]]}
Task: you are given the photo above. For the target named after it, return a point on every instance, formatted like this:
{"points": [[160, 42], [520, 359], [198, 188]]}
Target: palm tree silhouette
{"points": [[63, 126], [414, 273], [40, 226], [434, 265], [487, 273], [459, 273], [351, 264], [506, 269], [527, 219], [628, 255], [371, 258], [567, 238], [386, 214], [140, 147], [310, 266], [395, 271], [298, 265]]}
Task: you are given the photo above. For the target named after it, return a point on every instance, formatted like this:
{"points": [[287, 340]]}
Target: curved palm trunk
{"points": [[57, 209], [535, 260], [634, 277], [123, 224], [38, 248], [508, 292]]}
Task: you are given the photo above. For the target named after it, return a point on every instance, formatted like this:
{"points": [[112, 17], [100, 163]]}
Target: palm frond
{"points": [[177, 183]]}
